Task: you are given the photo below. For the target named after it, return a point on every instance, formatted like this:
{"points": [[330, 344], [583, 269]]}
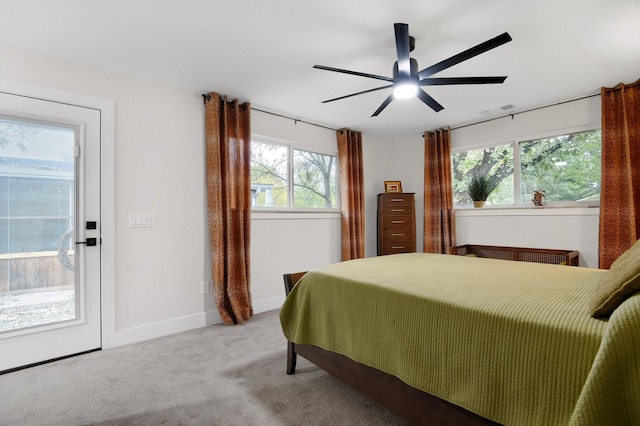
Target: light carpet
{"points": [[217, 375]]}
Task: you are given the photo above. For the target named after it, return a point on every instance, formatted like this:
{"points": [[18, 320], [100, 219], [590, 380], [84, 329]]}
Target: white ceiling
{"points": [[263, 51]]}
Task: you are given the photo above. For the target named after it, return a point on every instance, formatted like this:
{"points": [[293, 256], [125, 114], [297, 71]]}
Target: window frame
{"points": [[291, 146], [515, 142]]}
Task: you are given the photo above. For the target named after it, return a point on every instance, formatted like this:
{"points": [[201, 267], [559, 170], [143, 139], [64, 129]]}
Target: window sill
{"points": [[529, 211]]}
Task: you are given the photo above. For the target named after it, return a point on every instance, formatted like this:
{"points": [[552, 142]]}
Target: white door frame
{"points": [[107, 187]]}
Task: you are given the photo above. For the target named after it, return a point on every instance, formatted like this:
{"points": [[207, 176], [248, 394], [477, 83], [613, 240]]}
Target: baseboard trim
{"points": [[159, 329], [270, 304], [189, 322]]}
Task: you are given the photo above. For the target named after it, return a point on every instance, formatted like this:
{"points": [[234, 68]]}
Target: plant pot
{"points": [[479, 204]]}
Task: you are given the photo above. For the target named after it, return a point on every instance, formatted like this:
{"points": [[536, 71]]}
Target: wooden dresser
{"points": [[396, 223]]}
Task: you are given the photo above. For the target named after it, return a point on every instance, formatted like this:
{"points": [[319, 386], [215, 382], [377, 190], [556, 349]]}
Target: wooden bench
{"points": [[523, 254]]}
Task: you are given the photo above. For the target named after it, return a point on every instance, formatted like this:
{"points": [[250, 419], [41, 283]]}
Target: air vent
{"points": [[507, 107]]}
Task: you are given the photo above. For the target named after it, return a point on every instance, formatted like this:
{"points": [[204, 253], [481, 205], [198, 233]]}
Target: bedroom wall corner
{"points": [[401, 160]]}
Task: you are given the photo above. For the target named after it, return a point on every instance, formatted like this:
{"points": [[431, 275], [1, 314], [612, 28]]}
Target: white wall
{"points": [[557, 228], [378, 167], [408, 163]]}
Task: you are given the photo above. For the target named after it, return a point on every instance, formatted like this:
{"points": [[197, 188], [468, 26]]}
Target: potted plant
{"points": [[480, 187]]}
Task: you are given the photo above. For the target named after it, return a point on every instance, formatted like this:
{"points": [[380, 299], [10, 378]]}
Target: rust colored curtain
{"points": [[351, 193], [620, 189], [439, 216], [228, 167]]}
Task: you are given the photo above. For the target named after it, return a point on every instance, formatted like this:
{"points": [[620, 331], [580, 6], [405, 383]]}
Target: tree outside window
{"points": [[269, 175], [314, 183], [567, 167], [495, 161], [284, 177]]}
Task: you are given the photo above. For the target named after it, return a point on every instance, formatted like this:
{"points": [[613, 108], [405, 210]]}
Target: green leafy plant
{"points": [[481, 186]]}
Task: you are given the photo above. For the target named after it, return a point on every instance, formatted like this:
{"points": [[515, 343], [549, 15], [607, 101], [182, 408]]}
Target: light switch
{"points": [[142, 220]]}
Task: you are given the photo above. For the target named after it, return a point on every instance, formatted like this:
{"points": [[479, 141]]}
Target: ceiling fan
{"points": [[407, 79]]}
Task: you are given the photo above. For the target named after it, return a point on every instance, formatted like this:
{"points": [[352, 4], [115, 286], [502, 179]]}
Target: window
{"points": [[284, 177], [494, 161], [566, 167], [36, 186]]}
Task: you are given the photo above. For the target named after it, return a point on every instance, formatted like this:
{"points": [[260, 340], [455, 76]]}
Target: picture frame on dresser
{"points": [[392, 186]]}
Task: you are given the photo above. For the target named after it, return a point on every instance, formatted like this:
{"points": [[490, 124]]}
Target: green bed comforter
{"points": [[511, 341]]}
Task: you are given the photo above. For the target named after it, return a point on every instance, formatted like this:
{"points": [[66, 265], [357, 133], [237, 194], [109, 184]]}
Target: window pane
{"points": [[36, 186], [38, 196], [268, 175], [495, 161], [566, 167], [34, 235], [37, 210], [314, 179]]}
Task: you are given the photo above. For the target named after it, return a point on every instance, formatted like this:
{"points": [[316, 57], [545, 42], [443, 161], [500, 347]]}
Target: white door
{"points": [[49, 230]]}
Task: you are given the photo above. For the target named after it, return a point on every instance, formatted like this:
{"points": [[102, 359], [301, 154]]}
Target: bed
{"points": [[443, 339]]}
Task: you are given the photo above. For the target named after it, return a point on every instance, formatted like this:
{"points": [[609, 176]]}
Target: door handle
{"points": [[89, 242]]}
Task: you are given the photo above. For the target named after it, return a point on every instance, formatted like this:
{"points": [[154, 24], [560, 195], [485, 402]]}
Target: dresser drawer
{"points": [[397, 210], [390, 247], [398, 200], [397, 222], [398, 234]]}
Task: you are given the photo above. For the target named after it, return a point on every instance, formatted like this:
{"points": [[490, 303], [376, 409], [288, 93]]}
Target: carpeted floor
{"points": [[216, 375]]}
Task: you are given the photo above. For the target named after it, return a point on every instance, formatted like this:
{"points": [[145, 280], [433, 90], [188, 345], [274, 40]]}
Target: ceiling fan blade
{"points": [[461, 80], [432, 103], [467, 54], [360, 74], [403, 48], [358, 93], [383, 106]]}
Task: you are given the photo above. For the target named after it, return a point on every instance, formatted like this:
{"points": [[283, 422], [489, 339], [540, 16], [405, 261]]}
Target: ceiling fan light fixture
{"points": [[407, 80], [405, 90]]}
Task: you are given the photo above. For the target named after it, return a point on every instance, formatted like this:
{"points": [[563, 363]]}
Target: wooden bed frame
{"points": [[414, 405]]}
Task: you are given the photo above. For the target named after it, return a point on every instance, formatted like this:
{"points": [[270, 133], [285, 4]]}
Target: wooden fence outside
{"points": [[33, 271]]}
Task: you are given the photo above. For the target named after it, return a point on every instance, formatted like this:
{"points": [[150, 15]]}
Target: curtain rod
{"points": [[296, 120], [528, 110], [453, 128], [206, 97]]}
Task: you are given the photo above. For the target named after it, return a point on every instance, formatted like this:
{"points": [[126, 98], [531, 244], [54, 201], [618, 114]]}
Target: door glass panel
{"points": [[37, 205]]}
